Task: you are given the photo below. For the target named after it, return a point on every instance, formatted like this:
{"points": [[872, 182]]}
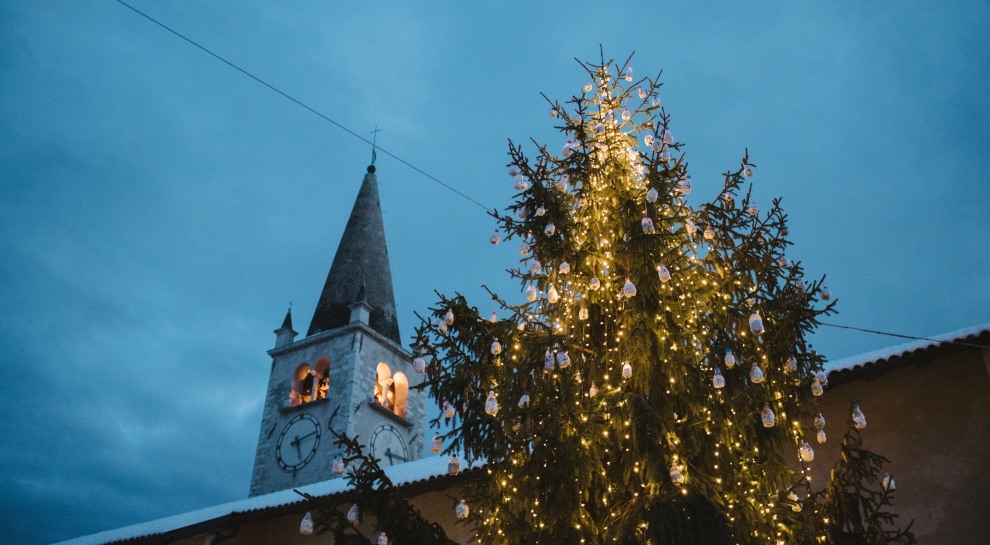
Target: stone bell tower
{"points": [[351, 358]]}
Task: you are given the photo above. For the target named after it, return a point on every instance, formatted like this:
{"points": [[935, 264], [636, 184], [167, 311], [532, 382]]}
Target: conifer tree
{"points": [[656, 378]]}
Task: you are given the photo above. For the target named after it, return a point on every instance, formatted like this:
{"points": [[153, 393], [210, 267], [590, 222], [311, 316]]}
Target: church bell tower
{"points": [[351, 358]]}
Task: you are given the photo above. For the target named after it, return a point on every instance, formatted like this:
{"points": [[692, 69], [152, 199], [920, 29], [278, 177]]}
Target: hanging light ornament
{"points": [[626, 370], [748, 171], [306, 526], [665, 154], [552, 295], [496, 347], [564, 268], [566, 152], [816, 388], [685, 186], [496, 236], [449, 317], [521, 324], [768, 417], [629, 74], [756, 323], [462, 510], [753, 209], [442, 326], [826, 294], [718, 381], [691, 227], [756, 374], [548, 361], [594, 283], [494, 317], [338, 466], [419, 365], [353, 514], [453, 466], [382, 539], [805, 452], [709, 232], [629, 289], [587, 86], [521, 184], [625, 114], [652, 195], [553, 113], [730, 360], [675, 474], [448, 409], [524, 400], [531, 292], [593, 391], [535, 266], [563, 360], [550, 229], [663, 273], [648, 140], [858, 418], [655, 102], [513, 171], [583, 313], [436, 445], [647, 223], [791, 365], [491, 404], [887, 482], [783, 262]]}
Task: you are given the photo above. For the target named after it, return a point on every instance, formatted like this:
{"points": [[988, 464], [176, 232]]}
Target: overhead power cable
{"points": [[939, 341], [286, 95]]}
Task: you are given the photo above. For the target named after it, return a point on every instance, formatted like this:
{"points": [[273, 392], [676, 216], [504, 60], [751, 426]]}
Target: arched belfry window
{"points": [[391, 391], [302, 385], [321, 378], [310, 383]]}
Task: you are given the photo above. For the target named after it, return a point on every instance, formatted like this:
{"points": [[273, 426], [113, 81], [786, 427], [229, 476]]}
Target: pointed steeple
{"points": [[285, 334], [361, 265]]}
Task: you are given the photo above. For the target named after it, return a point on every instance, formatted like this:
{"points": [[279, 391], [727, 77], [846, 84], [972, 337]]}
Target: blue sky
{"points": [[158, 210]]}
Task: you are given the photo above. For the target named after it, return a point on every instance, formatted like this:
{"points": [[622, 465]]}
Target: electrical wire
{"points": [[286, 95], [875, 332]]}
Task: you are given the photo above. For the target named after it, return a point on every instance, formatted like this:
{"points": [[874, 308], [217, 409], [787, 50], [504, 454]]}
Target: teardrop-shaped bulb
{"points": [[491, 404], [436, 445], [768, 417], [718, 380]]}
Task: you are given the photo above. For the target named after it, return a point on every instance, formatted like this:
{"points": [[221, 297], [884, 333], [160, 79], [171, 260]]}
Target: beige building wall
{"points": [[932, 420]]}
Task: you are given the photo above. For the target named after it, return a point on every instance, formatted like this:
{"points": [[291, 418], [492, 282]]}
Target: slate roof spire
{"points": [[361, 265]]}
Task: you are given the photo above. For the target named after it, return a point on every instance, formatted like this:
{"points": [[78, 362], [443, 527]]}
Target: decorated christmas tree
{"points": [[655, 383]]}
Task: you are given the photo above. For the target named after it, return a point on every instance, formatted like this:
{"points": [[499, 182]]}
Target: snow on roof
{"points": [[403, 474], [902, 350]]}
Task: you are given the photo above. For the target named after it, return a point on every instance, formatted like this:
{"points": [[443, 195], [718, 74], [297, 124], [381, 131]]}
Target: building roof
{"points": [[361, 261], [431, 470], [902, 353]]}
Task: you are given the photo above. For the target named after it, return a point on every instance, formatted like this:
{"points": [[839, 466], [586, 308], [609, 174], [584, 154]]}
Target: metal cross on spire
{"points": [[374, 143]]}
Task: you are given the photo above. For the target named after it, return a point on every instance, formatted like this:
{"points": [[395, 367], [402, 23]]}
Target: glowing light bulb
{"points": [[491, 404], [769, 420], [718, 380], [306, 526], [858, 418], [552, 295], [663, 273]]}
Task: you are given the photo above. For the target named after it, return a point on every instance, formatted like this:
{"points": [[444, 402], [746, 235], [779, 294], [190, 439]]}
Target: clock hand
{"points": [[307, 435], [298, 450]]}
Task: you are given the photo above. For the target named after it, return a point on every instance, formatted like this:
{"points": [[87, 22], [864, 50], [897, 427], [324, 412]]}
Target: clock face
{"points": [[388, 446], [298, 442]]}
